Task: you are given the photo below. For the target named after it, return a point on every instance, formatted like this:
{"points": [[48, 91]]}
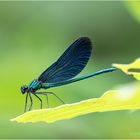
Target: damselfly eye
{"points": [[24, 89]]}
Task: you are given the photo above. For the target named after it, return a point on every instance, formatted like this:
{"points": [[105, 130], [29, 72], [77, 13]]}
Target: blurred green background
{"points": [[34, 34]]}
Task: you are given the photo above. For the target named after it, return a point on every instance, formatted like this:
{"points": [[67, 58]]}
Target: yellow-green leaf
{"points": [[124, 98], [131, 69]]}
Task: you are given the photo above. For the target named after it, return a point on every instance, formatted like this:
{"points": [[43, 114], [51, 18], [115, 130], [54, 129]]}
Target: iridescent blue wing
{"points": [[72, 62]]}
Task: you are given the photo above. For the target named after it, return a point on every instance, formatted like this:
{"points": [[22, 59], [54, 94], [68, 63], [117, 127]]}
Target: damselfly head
{"points": [[24, 89]]}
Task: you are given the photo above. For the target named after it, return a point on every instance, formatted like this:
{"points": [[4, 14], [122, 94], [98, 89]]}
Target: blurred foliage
{"points": [[34, 34], [134, 9]]}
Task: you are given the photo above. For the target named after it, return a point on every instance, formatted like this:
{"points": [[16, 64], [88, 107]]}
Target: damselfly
{"points": [[63, 71]]}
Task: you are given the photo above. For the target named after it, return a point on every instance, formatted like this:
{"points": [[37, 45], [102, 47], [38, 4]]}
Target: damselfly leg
{"points": [[57, 97], [46, 93], [31, 101], [26, 100], [39, 100]]}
